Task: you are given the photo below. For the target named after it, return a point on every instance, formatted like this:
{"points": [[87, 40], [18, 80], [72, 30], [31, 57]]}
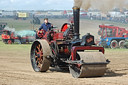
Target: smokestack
{"points": [[76, 14]]}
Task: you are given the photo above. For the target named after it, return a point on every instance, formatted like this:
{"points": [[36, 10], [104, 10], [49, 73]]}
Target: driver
{"points": [[46, 26]]}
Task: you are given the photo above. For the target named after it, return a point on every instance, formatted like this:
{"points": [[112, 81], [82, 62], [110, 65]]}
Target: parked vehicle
{"points": [[20, 37], [112, 36]]}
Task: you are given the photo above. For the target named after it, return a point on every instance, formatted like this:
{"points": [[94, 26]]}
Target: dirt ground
{"points": [[16, 69]]}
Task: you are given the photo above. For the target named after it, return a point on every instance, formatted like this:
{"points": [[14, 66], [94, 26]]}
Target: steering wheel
{"points": [[41, 33]]}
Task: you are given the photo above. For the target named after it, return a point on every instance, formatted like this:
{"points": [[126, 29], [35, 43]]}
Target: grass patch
{"points": [[19, 24], [14, 47]]}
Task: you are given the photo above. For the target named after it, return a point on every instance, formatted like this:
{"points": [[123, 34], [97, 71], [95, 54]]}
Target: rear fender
{"points": [[80, 48]]}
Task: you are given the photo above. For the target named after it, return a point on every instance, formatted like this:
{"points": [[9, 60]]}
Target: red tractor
{"points": [[10, 37], [65, 50], [112, 36]]}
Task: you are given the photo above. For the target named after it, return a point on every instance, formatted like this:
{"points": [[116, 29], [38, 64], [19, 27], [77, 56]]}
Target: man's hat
{"points": [[45, 18]]}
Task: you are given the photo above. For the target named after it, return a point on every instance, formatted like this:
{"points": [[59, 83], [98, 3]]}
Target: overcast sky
{"points": [[35, 4]]}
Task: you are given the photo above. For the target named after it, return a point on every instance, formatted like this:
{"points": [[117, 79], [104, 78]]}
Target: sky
{"points": [[36, 4]]}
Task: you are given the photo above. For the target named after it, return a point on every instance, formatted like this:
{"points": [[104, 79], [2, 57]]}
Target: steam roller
{"points": [[65, 50]]}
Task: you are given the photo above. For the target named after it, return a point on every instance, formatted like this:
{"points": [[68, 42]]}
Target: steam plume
{"points": [[103, 5]]}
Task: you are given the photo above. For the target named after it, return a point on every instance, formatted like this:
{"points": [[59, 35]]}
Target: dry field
{"points": [[15, 65]]}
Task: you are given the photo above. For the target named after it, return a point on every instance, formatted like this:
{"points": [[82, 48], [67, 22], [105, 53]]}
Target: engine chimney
{"points": [[76, 15]]}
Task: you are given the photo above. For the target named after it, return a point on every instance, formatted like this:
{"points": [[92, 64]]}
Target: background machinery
{"points": [[2, 26], [10, 36], [112, 36], [21, 15], [67, 51], [35, 20]]}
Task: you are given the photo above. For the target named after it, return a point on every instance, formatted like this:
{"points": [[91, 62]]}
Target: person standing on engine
{"points": [[46, 26]]}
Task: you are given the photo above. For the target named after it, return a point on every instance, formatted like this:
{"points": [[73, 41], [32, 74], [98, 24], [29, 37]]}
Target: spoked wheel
{"points": [[39, 52], [89, 70], [39, 55]]}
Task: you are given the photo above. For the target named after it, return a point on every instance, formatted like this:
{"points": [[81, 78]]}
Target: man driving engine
{"points": [[46, 25]]}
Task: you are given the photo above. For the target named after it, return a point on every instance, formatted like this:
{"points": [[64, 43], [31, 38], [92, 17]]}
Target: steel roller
{"points": [[94, 65]]}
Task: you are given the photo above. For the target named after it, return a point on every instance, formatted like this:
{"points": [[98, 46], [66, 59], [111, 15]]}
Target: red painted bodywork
{"points": [[78, 48], [57, 35], [5, 35], [64, 27]]}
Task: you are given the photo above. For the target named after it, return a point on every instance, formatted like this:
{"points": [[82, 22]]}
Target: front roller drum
{"points": [[39, 51], [89, 70]]}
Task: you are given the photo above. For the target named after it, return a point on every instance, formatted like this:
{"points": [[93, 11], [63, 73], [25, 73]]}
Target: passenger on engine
{"points": [[46, 26]]}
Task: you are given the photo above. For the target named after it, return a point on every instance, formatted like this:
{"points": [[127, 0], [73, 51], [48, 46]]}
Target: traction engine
{"points": [[67, 51]]}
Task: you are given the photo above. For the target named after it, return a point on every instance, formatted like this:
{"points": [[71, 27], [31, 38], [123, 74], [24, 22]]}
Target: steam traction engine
{"points": [[67, 51]]}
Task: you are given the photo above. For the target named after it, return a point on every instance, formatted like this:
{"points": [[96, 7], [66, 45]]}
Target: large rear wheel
{"points": [[39, 52]]}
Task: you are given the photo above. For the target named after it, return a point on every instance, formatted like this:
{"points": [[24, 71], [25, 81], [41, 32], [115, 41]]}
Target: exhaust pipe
{"points": [[76, 14]]}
